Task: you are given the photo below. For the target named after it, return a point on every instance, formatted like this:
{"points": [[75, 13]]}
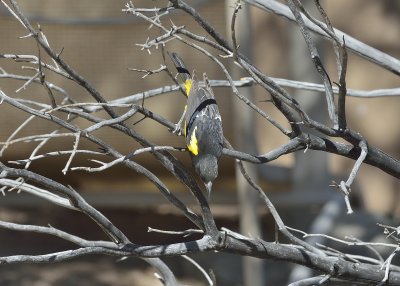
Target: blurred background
{"points": [[100, 42]]}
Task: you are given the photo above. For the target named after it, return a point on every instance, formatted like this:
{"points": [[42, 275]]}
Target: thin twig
{"points": [[149, 72], [184, 233], [34, 157], [359, 243], [294, 7], [387, 264], [121, 159], [344, 187], [201, 269], [75, 147]]}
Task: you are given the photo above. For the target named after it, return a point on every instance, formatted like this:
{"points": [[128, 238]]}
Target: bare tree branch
{"points": [[367, 52], [304, 133], [294, 6]]}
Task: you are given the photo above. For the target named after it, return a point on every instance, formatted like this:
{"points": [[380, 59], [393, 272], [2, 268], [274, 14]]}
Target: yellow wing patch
{"points": [[188, 86], [193, 147]]}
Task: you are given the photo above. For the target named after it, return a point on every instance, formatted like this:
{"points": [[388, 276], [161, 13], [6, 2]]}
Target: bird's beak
{"points": [[209, 187]]}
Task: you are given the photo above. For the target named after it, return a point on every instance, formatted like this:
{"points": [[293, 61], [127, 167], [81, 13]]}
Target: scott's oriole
{"points": [[202, 127]]}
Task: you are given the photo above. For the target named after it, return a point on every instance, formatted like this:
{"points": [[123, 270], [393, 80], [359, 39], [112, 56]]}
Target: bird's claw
{"points": [[177, 130]]}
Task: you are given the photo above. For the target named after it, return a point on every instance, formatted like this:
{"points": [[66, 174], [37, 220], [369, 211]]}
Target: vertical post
{"points": [[305, 166]]}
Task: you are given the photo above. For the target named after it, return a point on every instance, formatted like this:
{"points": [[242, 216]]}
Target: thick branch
{"points": [[375, 156], [336, 267], [367, 52]]}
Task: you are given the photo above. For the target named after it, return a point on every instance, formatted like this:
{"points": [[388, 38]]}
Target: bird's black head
{"points": [[207, 167]]}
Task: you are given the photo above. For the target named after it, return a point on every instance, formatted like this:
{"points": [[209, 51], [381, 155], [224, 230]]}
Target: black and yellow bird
{"points": [[203, 125]]}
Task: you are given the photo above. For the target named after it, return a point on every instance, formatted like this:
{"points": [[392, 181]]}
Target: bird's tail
{"points": [[184, 74]]}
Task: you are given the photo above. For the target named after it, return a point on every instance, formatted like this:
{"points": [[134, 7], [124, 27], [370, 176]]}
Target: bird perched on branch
{"points": [[203, 125]]}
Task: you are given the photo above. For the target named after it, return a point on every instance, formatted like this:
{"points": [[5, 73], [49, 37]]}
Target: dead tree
{"points": [[63, 111]]}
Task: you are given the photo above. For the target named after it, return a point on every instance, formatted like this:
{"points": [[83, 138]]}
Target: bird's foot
{"points": [[177, 130]]}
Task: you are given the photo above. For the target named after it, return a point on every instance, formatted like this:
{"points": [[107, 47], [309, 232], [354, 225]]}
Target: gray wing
{"points": [[201, 102], [202, 112]]}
